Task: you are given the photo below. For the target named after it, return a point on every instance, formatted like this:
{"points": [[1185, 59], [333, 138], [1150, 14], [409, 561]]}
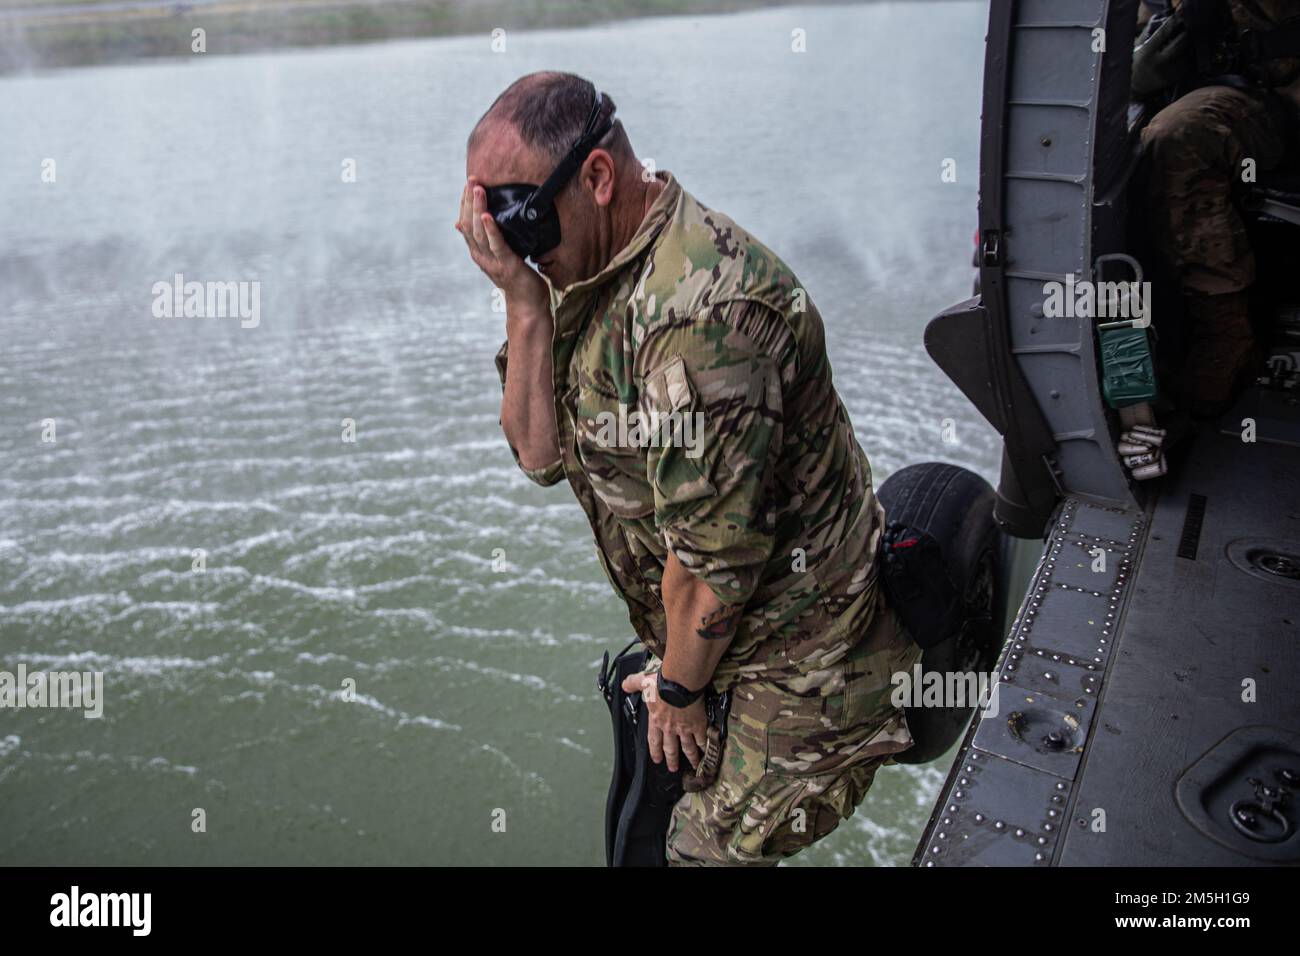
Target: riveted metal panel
{"points": [[1037, 728], [1091, 564], [1033, 732], [996, 813], [1066, 623]]}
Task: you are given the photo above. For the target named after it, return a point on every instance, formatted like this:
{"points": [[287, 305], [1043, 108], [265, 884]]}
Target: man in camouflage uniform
{"points": [[1198, 147], [746, 557]]}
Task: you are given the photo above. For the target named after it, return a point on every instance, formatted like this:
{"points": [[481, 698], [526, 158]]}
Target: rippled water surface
{"points": [[373, 561]]}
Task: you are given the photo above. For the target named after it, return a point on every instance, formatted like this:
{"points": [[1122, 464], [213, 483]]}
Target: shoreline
{"points": [[58, 34]]}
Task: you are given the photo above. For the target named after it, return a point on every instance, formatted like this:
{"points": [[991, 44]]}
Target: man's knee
{"points": [[1183, 135], [815, 812], [1211, 130]]}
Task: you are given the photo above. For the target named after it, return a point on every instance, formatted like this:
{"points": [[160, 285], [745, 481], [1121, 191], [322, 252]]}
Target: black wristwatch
{"points": [[674, 694]]}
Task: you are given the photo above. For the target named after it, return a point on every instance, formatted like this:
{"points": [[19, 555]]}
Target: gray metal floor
{"points": [[1196, 627], [1147, 702]]}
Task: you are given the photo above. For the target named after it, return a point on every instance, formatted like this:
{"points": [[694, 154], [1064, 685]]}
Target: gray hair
{"points": [[548, 109]]}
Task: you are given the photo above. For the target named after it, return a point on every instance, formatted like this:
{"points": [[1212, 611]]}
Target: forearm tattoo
{"points": [[718, 625]]}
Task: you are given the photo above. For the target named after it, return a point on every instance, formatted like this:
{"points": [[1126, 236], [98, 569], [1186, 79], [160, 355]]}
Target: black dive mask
{"points": [[524, 213]]}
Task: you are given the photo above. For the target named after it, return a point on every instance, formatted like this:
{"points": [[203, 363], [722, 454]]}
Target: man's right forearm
{"points": [[528, 406]]}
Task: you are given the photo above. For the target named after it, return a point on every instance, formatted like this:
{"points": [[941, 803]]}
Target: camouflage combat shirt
{"points": [[772, 505]]}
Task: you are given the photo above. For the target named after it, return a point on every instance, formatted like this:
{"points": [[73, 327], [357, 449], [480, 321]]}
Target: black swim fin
{"points": [[641, 792]]}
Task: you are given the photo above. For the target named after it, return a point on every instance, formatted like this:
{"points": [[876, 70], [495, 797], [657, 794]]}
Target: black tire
{"points": [[955, 507]]}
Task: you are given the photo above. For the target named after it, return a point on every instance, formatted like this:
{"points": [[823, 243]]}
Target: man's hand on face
{"points": [[673, 731], [524, 289]]}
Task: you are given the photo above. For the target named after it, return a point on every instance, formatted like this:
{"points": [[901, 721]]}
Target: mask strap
{"points": [[592, 132]]}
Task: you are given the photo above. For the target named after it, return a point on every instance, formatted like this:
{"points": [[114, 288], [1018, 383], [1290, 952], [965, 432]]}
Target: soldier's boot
{"points": [[1222, 353]]}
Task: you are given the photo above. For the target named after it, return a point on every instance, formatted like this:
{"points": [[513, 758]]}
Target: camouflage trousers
{"points": [[794, 766], [1199, 146]]}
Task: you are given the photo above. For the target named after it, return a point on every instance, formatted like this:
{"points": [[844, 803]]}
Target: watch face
{"points": [[673, 698], [674, 694]]}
